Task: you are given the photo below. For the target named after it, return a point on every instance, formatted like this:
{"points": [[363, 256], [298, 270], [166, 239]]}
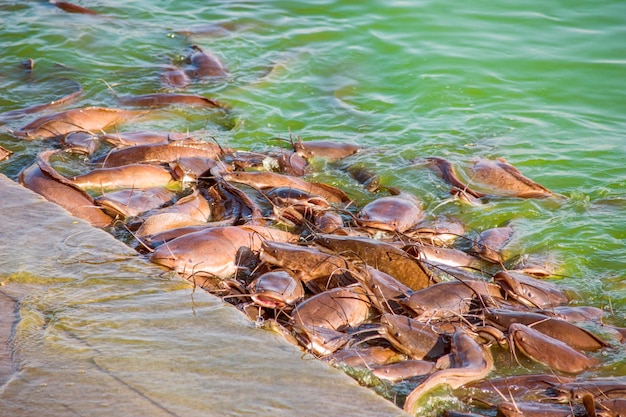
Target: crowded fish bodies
{"points": [[383, 289], [415, 303]]}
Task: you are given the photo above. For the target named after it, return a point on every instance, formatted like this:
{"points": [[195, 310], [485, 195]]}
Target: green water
{"points": [[537, 83]]}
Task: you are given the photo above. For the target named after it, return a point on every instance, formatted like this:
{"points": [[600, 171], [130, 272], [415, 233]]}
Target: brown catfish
{"points": [[130, 203], [536, 409], [365, 356], [454, 413], [445, 299], [324, 148], [336, 309], [522, 387], [445, 170], [469, 361], [328, 222], [212, 252], [567, 332], [289, 162], [72, 8], [135, 176], [383, 287], [574, 314], [548, 351], [440, 232], [175, 77], [89, 119], [611, 408], [166, 99], [307, 263], [399, 371], [194, 205], [77, 202], [599, 388], [162, 237], [204, 64], [161, 153], [415, 339], [385, 257], [435, 255], [498, 177], [530, 291], [366, 177], [142, 137], [265, 180], [396, 213], [45, 164], [490, 244], [276, 289], [160, 223], [191, 210], [126, 176], [84, 143], [229, 202]]}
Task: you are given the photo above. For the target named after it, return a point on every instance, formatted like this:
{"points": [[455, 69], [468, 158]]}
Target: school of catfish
{"points": [[382, 287]]}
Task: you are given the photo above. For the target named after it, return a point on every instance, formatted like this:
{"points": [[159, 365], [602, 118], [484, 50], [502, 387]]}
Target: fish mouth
{"points": [[320, 343], [389, 226], [268, 301], [558, 394], [163, 260], [290, 215]]}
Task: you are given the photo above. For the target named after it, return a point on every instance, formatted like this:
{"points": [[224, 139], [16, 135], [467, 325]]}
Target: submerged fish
{"points": [[498, 177], [75, 201], [90, 119]]}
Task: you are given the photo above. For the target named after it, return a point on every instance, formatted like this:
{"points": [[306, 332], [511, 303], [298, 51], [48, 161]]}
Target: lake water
{"points": [[539, 84]]}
